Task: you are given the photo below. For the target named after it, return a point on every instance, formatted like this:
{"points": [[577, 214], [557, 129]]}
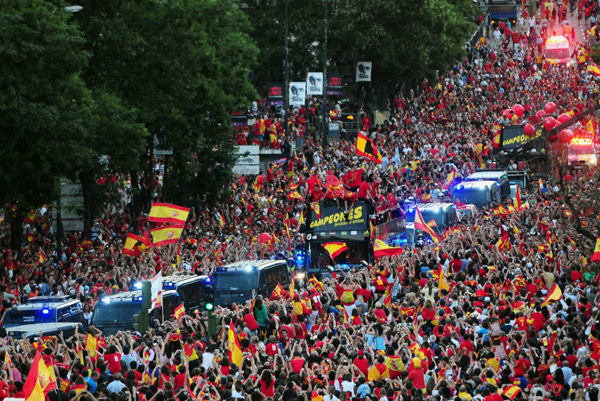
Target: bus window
{"points": [[193, 296]]}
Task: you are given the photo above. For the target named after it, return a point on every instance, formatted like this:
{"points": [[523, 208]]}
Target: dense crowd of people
{"points": [[388, 331]]}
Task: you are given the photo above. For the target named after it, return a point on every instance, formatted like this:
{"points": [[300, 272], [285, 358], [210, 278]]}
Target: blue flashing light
{"points": [[45, 311], [221, 269], [139, 299], [105, 300], [300, 259], [169, 284], [137, 285], [208, 280], [249, 268]]}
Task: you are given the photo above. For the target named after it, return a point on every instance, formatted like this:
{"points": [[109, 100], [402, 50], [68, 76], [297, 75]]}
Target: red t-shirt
{"points": [[297, 364], [114, 362], [250, 321]]}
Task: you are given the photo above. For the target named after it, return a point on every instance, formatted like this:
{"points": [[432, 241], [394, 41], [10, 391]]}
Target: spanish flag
{"points": [[292, 285], [166, 235], [300, 220], [442, 282], [7, 360], [596, 255], [421, 225], [222, 221], [365, 147], [511, 392], [449, 179], [135, 245], [316, 208], [278, 291], [234, 351], [554, 294], [518, 202], [314, 396], [179, 312], [593, 69], [41, 257], [167, 213], [91, 345], [380, 249], [39, 381], [335, 249]]}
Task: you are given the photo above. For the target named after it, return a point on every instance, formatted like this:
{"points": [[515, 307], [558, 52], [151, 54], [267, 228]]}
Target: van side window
{"points": [[193, 295]]}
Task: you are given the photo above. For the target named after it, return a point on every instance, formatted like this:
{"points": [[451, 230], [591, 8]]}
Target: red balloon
{"points": [[539, 115], [565, 136], [529, 130], [519, 110], [550, 107], [507, 113], [549, 123], [564, 117]]}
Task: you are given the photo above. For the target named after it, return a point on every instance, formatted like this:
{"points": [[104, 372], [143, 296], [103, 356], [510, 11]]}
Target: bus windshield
{"points": [[475, 196], [236, 281], [558, 53], [117, 312]]}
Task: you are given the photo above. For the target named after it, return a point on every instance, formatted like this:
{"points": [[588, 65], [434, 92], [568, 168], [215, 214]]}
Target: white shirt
{"points": [[327, 397], [207, 358]]}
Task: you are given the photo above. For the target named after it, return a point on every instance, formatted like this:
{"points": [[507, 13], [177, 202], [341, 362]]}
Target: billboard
{"points": [[335, 86], [514, 137], [363, 71], [334, 219], [314, 83], [275, 94], [297, 93]]}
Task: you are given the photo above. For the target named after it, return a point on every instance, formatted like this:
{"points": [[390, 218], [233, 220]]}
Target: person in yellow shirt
{"points": [[463, 395]]}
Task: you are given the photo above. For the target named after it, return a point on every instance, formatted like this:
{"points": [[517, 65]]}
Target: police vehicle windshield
{"points": [[236, 281], [117, 312], [476, 196], [16, 317]]}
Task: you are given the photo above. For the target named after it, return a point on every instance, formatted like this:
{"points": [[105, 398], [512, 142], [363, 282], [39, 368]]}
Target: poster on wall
{"points": [[297, 93], [363, 71], [275, 94], [314, 83]]}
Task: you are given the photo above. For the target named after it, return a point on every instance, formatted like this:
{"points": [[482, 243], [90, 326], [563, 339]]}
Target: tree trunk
{"points": [[89, 203], [16, 229]]}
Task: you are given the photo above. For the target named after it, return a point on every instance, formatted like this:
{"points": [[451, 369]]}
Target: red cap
{"points": [[361, 352]]}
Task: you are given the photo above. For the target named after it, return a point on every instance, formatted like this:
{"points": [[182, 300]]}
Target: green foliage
{"points": [[45, 107], [405, 39], [595, 54]]}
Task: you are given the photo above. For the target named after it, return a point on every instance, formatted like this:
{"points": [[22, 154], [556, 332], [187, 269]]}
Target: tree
{"points": [[183, 65], [45, 107]]}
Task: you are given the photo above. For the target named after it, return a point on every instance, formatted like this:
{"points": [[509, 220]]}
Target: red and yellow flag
{"points": [[596, 255], [179, 312], [166, 235], [421, 225], [316, 208], [91, 345], [41, 258], [168, 214], [7, 360], [135, 245], [518, 202], [335, 249], [511, 392], [380, 249], [222, 221], [234, 351], [554, 294], [442, 282], [292, 285], [449, 179], [504, 242], [365, 147], [39, 380], [593, 69]]}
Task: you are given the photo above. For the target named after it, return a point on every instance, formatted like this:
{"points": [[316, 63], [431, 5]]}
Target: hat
{"points": [[361, 352]]}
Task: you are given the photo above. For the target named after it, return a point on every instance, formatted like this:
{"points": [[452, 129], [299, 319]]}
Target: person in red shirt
{"points": [[297, 362], [416, 375], [113, 360], [180, 377], [361, 362], [267, 384], [250, 321]]}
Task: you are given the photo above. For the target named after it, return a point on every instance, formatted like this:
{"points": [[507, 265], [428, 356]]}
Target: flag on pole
{"points": [[335, 249], [554, 294], [504, 242], [179, 312], [167, 213], [287, 228], [365, 147], [222, 221], [39, 381], [518, 202], [234, 351], [135, 245], [593, 69], [7, 360], [380, 249], [42, 257], [421, 225], [316, 208], [596, 255], [300, 220], [292, 285], [166, 235], [449, 179], [156, 290]]}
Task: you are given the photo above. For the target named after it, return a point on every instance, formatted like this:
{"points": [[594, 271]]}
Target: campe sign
{"points": [[333, 219], [514, 137]]}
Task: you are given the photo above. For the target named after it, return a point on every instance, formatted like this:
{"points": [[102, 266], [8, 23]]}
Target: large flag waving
{"points": [[234, 351], [91, 345], [449, 179], [421, 225], [166, 235], [365, 147], [39, 380], [168, 214], [596, 255], [335, 249], [518, 202], [554, 294], [135, 245], [442, 282], [380, 249]]}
